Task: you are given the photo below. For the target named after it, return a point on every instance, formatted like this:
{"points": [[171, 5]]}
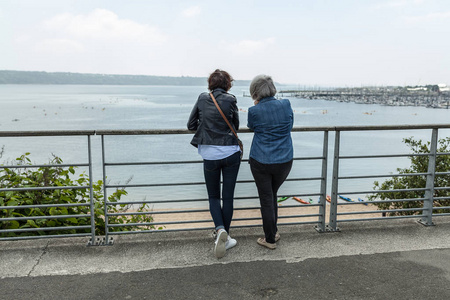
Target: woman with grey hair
{"points": [[271, 153]]}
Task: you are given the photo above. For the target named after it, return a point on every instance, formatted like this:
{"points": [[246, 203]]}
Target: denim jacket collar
{"points": [[267, 99]]}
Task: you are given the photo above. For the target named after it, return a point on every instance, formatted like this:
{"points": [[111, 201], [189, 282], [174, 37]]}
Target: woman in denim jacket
{"points": [[271, 153], [220, 152]]}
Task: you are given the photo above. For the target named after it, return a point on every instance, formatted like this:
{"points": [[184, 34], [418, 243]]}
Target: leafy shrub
{"points": [[419, 164], [57, 176]]}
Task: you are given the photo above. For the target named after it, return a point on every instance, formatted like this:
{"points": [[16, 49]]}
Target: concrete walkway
{"points": [[395, 259]]}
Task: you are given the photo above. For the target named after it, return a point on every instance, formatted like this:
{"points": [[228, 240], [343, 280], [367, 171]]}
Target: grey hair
{"points": [[261, 87]]}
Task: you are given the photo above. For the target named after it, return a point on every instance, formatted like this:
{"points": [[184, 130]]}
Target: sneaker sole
{"points": [[219, 247]]}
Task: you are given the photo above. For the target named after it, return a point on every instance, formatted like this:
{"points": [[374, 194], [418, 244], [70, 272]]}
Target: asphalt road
{"points": [[376, 260]]}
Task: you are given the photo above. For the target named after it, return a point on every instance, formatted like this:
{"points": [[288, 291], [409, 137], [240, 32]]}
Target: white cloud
{"points": [[192, 11], [59, 46], [103, 24], [249, 47], [429, 17], [398, 3]]}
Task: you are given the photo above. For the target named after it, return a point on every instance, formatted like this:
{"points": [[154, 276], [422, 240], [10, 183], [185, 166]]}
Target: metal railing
{"points": [[428, 190], [316, 217], [11, 207]]}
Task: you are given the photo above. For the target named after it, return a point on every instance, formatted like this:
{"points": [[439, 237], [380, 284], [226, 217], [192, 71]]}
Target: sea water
{"points": [[91, 107]]}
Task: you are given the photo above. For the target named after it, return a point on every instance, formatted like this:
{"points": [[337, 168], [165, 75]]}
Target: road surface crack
{"points": [[39, 259]]}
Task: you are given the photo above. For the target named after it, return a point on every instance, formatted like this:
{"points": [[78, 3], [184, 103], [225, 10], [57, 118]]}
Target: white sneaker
{"points": [[230, 243], [219, 245]]}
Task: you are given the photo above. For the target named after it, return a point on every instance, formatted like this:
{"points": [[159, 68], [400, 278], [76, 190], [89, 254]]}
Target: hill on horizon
{"points": [[42, 77]]}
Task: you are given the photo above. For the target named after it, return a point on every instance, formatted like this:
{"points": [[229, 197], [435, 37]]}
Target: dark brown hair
{"points": [[220, 79]]}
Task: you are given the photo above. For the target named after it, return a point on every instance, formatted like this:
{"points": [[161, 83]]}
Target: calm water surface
{"points": [[86, 107]]}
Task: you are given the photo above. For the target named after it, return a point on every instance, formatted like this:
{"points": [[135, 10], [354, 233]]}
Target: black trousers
{"points": [[268, 179]]}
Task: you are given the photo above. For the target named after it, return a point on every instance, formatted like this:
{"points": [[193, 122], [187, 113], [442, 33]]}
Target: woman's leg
{"points": [[263, 180], [212, 169], [279, 172], [230, 171]]}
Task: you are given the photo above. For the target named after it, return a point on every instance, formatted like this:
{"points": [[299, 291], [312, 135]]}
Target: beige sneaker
{"points": [[262, 242]]}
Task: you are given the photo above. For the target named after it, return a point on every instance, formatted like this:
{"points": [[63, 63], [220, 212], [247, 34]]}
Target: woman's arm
{"points": [[193, 118], [235, 116], [250, 120]]}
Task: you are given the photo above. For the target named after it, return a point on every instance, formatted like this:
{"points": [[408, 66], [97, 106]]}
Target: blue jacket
{"points": [[272, 121]]}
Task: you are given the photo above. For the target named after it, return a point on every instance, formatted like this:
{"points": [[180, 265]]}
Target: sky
{"points": [[305, 43]]}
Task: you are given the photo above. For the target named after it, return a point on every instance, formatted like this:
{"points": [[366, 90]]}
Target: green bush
{"points": [[419, 164], [56, 176]]}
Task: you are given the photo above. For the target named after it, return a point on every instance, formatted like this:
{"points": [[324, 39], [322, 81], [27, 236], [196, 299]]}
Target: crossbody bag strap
{"points": [[223, 116]]}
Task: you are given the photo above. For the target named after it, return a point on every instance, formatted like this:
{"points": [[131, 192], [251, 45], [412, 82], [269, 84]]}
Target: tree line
{"points": [[38, 77]]}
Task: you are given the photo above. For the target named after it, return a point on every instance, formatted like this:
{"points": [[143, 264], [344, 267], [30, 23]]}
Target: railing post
{"points": [[332, 225], [427, 213], [105, 196], [92, 241], [323, 185]]}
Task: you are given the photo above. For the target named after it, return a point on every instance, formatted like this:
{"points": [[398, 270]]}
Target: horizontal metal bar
{"points": [[158, 230], [279, 217], [295, 129], [185, 162], [309, 158], [441, 188], [35, 237], [382, 191], [387, 175], [44, 188], [441, 198], [380, 201], [195, 183], [45, 229], [443, 153], [169, 201], [441, 215], [155, 201], [441, 207], [46, 133], [45, 205], [442, 173], [202, 210], [44, 217], [382, 156], [380, 218], [158, 223], [379, 211], [156, 212], [390, 127], [137, 202], [185, 131], [43, 166], [279, 224], [150, 185], [154, 163], [203, 221]]}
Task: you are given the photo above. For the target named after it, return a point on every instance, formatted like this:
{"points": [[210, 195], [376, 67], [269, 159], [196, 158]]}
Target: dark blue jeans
{"points": [[268, 179], [229, 168]]}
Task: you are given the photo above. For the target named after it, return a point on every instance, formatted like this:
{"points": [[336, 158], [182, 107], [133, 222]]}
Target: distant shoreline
{"points": [[62, 78]]}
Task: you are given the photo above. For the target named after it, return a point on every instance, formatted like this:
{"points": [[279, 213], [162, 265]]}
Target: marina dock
{"points": [[384, 96]]}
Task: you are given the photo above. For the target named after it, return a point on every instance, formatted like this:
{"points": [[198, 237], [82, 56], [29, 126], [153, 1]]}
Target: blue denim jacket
{"points": [[272, 121]]}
